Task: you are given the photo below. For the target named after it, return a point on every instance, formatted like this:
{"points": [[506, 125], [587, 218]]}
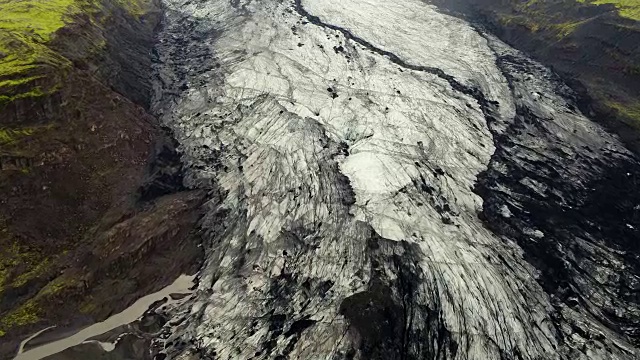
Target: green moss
{"points": [[55, 286], [19, 81], [12, 255], [11, 135], [38, 17], [26, 28], [8, 259], [29, 312], [524, 21], [33, 93], [4, 273], [631, 111], [88, 307], [136, 8], [24, 62], [627, 8], [565, 29], [37, 270], [26, 314]]}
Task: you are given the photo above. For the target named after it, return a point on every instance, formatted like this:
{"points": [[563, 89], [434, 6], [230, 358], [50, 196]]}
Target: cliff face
{"points": [[92, 200]]}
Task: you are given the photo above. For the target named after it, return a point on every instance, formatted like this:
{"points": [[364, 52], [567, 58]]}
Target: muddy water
{"points": [[181, 285]]}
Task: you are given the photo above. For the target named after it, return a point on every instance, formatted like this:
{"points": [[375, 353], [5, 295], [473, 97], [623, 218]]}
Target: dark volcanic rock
{"points": [[594, 48], [589, 252], [581, 233]]}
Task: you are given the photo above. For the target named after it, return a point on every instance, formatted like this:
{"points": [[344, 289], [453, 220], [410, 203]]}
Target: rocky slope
{"points": [[92, 201], [394, 183], [592, 44]]}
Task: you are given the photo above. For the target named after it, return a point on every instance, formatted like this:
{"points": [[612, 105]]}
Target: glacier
{"points": [[390, 182]]}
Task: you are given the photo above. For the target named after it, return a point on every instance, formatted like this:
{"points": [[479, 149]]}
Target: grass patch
{"points": [[56, 285], [26, 28], [10, 136], [565, 29], [136, 8], [527, 22], [24, 61], [30, 312], [13, 255], [26, 314], [34, 272], [88, 307], [19, 81], [631, 111], [626, 8], [39, 18]]}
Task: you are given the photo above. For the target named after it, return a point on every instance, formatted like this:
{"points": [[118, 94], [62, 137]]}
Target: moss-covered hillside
{"points": [[27, 29], [84, 221], [627, 8]]}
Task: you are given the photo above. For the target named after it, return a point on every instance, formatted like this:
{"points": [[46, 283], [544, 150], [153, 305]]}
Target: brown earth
{"points": [[93, 214]]}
